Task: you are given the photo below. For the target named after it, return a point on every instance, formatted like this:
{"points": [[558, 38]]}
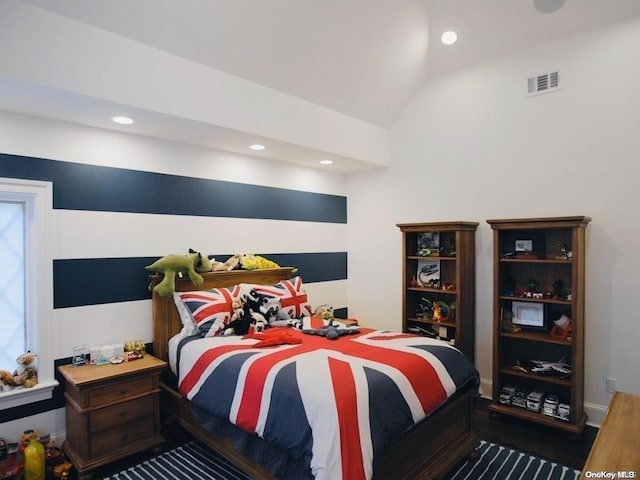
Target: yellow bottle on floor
{"points": [[34, 457]]}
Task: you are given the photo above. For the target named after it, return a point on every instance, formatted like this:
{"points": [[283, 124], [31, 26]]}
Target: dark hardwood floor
{"points": [[539, 440]]}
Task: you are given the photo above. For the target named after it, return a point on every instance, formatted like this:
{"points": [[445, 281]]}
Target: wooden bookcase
{"points": [[453, 291], [539, 277]]}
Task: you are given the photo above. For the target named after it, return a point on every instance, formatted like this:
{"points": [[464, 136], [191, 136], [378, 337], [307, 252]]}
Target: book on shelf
{"points": [[428, 243], [428, 273], [429, 332]]}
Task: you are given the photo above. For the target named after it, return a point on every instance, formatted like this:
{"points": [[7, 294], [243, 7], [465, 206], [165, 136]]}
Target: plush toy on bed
{"points": [[170, 265], [331, 331], [253, 314]]}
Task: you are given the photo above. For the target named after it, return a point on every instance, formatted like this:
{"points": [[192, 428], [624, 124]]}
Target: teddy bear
{"points": [[325, 312], [6, 380], [26, 373], [170, 265], [231, 263]]}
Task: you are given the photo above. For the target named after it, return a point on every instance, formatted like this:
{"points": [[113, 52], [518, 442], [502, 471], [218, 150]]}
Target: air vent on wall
{"points": [[545, 83]]}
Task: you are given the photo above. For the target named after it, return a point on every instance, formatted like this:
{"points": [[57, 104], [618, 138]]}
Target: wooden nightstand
{"points": [[112, 411], [349, 322]]}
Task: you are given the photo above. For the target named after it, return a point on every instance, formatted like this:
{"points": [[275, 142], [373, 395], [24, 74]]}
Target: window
{"points": [[26, 285]]}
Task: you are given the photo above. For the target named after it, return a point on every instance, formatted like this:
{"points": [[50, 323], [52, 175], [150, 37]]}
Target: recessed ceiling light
{"points": [[326, 162], [257, 147], [449, 37], [122, 120]]}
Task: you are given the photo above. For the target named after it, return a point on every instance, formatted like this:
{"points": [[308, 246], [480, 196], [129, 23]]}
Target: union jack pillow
{"points": [[211, 310], [291, 295]]}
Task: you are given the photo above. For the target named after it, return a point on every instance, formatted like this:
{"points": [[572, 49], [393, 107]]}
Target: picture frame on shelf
{"points": [[524, 246], [428, 273], [528, 315], [428, 244]]}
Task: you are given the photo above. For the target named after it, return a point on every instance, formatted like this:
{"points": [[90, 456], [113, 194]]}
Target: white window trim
{"points": [[38, 197]]}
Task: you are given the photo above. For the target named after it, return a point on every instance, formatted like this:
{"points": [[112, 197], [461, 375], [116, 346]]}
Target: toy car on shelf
{"points": [[506, 394], [520, 398], [550, 405], [563, 412], [534, 401]]}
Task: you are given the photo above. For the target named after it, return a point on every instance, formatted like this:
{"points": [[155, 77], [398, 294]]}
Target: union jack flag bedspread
{"points": [[338, 402]]}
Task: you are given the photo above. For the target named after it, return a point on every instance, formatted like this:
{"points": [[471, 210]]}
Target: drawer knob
{"points": [[123, 391], [125, 436], [123, 413]]}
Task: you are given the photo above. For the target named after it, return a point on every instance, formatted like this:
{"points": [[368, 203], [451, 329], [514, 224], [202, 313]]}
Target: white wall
{"points": [[471, 147], [89, 234]]}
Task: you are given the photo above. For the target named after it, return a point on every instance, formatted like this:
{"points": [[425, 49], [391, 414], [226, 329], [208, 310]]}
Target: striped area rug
{"points": [[497, 462], [194, 461]]}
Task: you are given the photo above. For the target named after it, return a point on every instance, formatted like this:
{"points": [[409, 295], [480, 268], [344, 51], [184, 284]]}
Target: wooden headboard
{"points": [[166, 320]]}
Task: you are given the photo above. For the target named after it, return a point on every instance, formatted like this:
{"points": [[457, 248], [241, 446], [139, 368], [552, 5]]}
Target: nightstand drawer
{"points": [[116, 438], [114, 392], [120, 413]]}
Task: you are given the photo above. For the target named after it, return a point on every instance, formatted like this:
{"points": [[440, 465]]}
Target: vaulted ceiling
{"points": [[355, 63]]}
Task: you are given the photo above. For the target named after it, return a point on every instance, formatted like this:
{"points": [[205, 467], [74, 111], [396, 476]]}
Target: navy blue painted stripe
{"points": [[88, 187], [93, 281], [314, 267]]}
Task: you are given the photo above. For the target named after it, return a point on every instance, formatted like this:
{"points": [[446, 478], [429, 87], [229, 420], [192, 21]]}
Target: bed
{"points": [[426, 450]]}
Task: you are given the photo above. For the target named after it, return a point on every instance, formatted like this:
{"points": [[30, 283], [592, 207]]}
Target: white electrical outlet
{"points": [[610, 384]]}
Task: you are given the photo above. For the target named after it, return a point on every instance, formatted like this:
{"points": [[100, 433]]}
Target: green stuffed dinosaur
{"points": [[170, 265]]}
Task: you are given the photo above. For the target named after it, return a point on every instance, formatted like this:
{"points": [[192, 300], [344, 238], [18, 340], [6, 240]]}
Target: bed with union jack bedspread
{"points": [[337, 403]]}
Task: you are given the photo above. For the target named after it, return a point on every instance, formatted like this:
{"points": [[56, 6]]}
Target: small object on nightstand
{"points": [[80, 355], [135, 346]]}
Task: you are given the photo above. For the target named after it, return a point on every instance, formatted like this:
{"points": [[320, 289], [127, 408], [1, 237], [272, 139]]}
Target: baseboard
{"points": [[486, 388], [57, 439], [595, 413]]}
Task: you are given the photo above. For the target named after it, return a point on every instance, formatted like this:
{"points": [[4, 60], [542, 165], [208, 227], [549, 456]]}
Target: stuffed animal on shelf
{"points": [[170, 265], [231, 263], [26, 373], [6, 380], [254, 262]]}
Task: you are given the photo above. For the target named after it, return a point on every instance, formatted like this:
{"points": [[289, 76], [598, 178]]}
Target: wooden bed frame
{"points": [[427, 451]]}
